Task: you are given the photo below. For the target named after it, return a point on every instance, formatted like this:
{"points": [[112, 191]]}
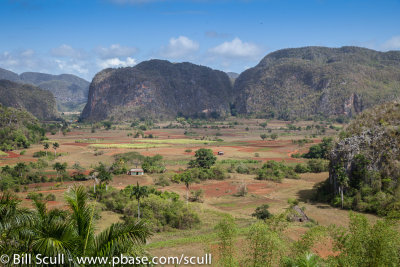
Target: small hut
{"points": [[135, 172]]}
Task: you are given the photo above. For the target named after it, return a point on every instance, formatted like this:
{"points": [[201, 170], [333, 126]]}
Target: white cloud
{"points": [[179, 47], [392, 44], [116, 50], [67, 51], [116, 62], [72, 67], [236, 48]]}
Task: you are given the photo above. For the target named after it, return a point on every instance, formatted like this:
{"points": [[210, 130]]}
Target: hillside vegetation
{"points": [[70, 91], [309, 81], [18, 129], [39, 102], [158, 89], [365, 162]]}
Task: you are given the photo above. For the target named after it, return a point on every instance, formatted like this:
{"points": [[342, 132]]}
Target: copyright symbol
{"points": [[4, 259]]}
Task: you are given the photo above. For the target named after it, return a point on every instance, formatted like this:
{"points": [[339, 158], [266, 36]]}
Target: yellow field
{"points": [[176, 141], [129, 146]]}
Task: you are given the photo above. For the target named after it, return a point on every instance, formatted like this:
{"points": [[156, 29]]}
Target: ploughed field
{"points": [[238, 141]]}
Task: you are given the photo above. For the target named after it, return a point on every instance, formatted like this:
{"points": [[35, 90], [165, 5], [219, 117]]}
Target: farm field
{"points": [[238, 142]]}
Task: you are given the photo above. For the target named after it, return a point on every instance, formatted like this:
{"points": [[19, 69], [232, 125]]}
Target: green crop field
{"points": [[2, 154], [176, 141], [130, 146]]}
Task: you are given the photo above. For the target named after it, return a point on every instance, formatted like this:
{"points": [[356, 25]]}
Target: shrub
{"points": [[262, 212], [318, 165], [162, 180], [301, 168], [275, 171]]}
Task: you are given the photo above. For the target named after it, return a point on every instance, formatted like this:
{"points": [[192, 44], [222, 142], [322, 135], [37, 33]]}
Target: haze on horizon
{"points": [[83, 37]]}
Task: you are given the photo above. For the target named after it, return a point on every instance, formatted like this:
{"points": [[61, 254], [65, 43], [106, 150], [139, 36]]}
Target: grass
{"points": [[89, 140], [2, 154], [199, 238], [129, 146], [176, 141]]}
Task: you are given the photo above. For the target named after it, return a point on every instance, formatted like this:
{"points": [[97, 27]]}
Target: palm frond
{"points": [[120, 238]]}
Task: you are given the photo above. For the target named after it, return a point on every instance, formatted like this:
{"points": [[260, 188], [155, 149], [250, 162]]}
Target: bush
{"points": [[275, 171], [262, 212], [153, 164], [320, 151], [163, 210], [162, 181], [301, 168], [318, 165]]}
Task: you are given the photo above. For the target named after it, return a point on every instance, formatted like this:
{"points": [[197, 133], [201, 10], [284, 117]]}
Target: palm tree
{"points": [[46, 146], [55, 146], [139, 192], [65, 232], [21, 168], [60, 167], [13, 223], [186, 178], [343, 181], [103, 174]]}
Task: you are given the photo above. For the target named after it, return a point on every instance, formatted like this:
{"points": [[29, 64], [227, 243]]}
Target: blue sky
{"points": [[83, 37]]}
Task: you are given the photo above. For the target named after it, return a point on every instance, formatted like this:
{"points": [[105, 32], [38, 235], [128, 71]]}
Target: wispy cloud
{"points": [[180, 47], [115, 50], [214, 34], [392, 44], [67, 51]]}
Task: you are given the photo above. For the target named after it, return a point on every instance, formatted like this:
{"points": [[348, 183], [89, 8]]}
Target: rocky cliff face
{"points": [[303, 82], [157, 89], [39, 102], [368, 152]]}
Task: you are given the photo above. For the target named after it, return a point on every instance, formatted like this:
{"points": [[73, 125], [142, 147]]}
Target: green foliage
{"points": [[153, 164], [274, 136], [321, 150], [275, 171], [363, 244], [162, 210], [18, 129], [204, 159], [226, 232], [263, 136], [265, 245], [262, 212], [318, 165]]}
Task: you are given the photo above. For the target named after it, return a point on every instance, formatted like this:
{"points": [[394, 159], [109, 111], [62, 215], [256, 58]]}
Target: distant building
{"points": [[135, 172], [220, 153]]}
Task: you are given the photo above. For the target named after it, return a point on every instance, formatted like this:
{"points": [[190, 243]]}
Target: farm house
{"points": [[135, 172]]}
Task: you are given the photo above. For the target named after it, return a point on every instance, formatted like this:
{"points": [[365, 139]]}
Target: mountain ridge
{"points": [[70, 90], [304, 82], [158, 88]]}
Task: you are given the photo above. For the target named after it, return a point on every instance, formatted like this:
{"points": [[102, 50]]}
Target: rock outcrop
{"points": [[309, 81], [158, 89]]}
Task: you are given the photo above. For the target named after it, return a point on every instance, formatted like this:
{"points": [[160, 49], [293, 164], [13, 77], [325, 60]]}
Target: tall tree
{"points": [[46, 146], [139, 192], [204, 159], [21, 168], [55, 146], [60, 167]]}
